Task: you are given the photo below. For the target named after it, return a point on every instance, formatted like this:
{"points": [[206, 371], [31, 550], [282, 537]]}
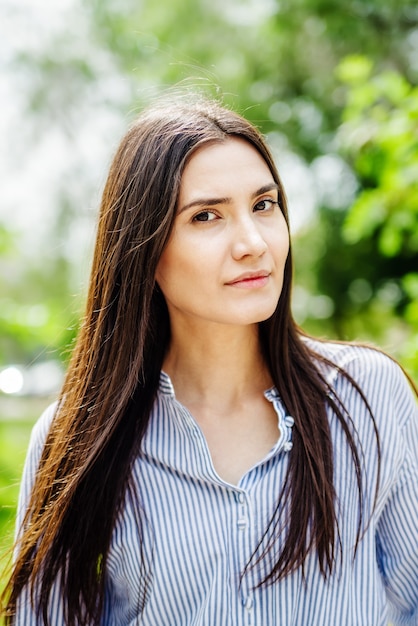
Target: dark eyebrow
{"points": [[206, 202], [265, 189]]}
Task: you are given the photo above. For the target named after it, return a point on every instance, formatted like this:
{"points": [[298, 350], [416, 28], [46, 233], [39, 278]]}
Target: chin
{"points": [[257, 317]]}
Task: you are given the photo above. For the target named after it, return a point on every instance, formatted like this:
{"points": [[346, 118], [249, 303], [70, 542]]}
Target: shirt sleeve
{"points": [[25, 613], [36, 444], [397, 529]]}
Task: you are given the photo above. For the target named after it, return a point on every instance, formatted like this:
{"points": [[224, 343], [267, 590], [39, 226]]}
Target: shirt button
{"points": [[289, 421], [241, 498]]}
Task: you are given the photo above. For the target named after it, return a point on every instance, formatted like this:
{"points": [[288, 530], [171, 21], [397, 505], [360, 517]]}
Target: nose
{"points": [[247, 239]]}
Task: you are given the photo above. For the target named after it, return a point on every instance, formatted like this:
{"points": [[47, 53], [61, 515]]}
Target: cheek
{"points": [[162, 274], [285, 235], [285, 244], [279, 241], [177, 263]]}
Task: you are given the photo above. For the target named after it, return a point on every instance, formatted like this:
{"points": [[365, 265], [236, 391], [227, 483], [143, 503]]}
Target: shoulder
{"points": [[381, 398], [38, 437], [42, 426], [345, 353], [36, 444], [359, 361], [379, 377]]}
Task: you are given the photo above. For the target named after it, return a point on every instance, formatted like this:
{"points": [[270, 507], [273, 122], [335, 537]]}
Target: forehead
{"points": [[225, 164]]}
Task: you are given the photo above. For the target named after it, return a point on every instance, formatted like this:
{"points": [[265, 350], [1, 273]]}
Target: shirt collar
{"points": [[166, 386]]}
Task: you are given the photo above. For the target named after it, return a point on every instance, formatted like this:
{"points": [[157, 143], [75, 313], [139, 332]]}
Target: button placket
{"points": [[285, 421], [243, 522], [248, 605]]}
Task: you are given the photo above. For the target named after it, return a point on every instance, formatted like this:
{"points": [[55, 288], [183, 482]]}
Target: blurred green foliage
{"points": [[380, 134], [333, 83]]}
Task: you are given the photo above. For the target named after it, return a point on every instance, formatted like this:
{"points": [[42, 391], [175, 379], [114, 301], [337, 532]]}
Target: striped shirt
{"points": [[198, 532]]}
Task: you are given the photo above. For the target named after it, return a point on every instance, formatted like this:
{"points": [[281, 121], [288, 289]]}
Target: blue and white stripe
{"points": [[199, 531]]}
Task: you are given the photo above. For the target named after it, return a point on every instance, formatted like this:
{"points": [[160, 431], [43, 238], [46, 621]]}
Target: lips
{"points": [[250, 279]]}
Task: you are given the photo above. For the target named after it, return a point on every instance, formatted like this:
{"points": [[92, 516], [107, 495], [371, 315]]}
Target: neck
{"points": [[216, 364]]}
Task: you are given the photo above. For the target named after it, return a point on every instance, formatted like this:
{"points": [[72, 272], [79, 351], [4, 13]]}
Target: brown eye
{"points": [[265, 204], [204, 216]]}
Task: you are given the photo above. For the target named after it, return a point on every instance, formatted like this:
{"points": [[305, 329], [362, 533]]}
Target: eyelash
{"points": [[269, 200], [266, 200]]}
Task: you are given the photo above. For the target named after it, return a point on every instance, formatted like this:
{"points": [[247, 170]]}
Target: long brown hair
{"points": [[113, 376]]}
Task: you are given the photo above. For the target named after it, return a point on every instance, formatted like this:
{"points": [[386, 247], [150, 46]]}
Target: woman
{"points": [[207, 463]]}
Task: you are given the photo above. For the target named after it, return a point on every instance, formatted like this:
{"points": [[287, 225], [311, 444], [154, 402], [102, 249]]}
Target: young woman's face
{"points": [[225, 258]]}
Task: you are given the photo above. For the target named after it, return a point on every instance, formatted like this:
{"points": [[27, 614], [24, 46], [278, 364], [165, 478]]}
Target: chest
{"points": [[197, 537], [238, 441]]}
